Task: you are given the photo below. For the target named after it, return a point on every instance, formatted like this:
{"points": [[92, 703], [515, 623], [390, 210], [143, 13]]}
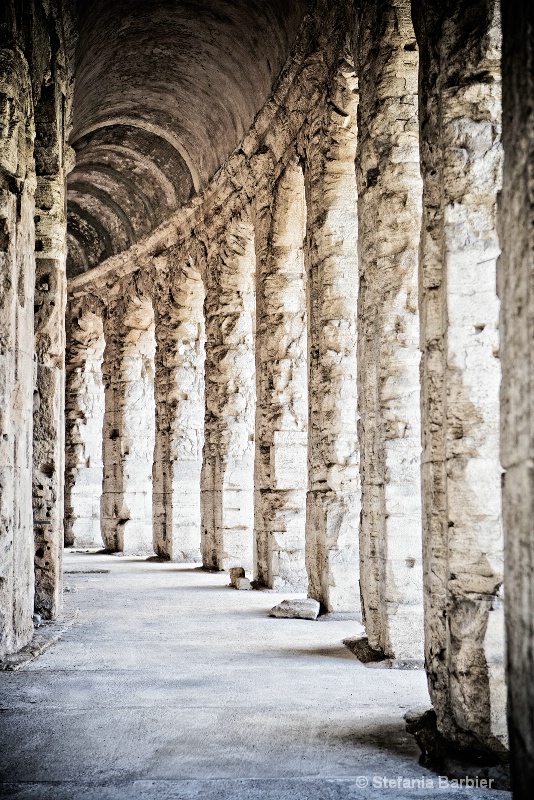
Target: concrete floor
{"points": [[171, 685]]}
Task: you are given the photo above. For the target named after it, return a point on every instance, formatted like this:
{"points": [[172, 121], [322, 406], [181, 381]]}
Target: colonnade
{"points": [[254, 393], [290, 398]]}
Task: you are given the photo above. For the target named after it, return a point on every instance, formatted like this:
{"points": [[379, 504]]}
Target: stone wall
{"points": [[515, 277]]}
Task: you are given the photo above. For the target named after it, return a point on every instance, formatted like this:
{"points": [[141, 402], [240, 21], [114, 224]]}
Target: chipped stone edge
{"points": [[43, 639]]}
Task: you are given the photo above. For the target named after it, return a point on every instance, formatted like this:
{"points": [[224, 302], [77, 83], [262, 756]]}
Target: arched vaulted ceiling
{"points": [[165, 90]]}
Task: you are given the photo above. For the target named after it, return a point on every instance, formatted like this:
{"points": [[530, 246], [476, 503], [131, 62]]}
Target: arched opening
{"points": [[84, 411], [129, 428], [179, 390]]}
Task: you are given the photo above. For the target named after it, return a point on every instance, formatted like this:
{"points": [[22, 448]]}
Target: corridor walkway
{"points": [[172, 685]]}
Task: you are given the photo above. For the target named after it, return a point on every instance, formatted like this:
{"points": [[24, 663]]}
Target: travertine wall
{"points": [[333, 499], [389, 203], [228, 466], [179, 386], [129, 425], [516, 274], [281, 385], [461, 155], [84, 412]]}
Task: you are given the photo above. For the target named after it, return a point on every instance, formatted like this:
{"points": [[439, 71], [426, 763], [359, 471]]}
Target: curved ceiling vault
{"points": [[165, 90]]}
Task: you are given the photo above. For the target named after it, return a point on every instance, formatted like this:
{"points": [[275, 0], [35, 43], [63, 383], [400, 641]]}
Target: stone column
{"points": [[281, 385], [179, 390], [389, 203], [516, 290], [333, 499], [460, 118], [84, 410], [17, 267], [129, 428], [228, 465], [50, 306]]}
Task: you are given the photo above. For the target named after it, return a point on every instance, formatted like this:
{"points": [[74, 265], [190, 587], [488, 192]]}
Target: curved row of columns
{"points": [[311, 469], [460, 528]]}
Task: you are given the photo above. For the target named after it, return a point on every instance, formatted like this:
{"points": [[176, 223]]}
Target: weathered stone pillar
{"points": [[516, 290], [389, 204], [17, 267], [50, 307], [281, 386], [129, 428], [333, 499], [460, 117], [84, 410], [228, 465], [179, 390]]}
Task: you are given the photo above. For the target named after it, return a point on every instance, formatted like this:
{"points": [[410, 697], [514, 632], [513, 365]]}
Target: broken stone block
{"points": [[296, 609], [363, 651], [244, 584], [235, 574]]}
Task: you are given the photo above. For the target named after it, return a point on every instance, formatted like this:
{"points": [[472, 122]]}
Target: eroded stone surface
{"points": [[389, 202], [84, 409], [228, 467], [333, 499], [282, 385], [179, 389], [36, 51], [129, 426], [460, 117], [296, 609]]}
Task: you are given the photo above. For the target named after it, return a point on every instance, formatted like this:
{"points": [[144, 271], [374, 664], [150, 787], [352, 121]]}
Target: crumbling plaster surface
{"points": [[515, 277], [461, 158], [389, 209]]}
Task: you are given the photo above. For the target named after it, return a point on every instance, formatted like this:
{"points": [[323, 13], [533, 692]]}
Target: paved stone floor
{"points": [[172, 685]]}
